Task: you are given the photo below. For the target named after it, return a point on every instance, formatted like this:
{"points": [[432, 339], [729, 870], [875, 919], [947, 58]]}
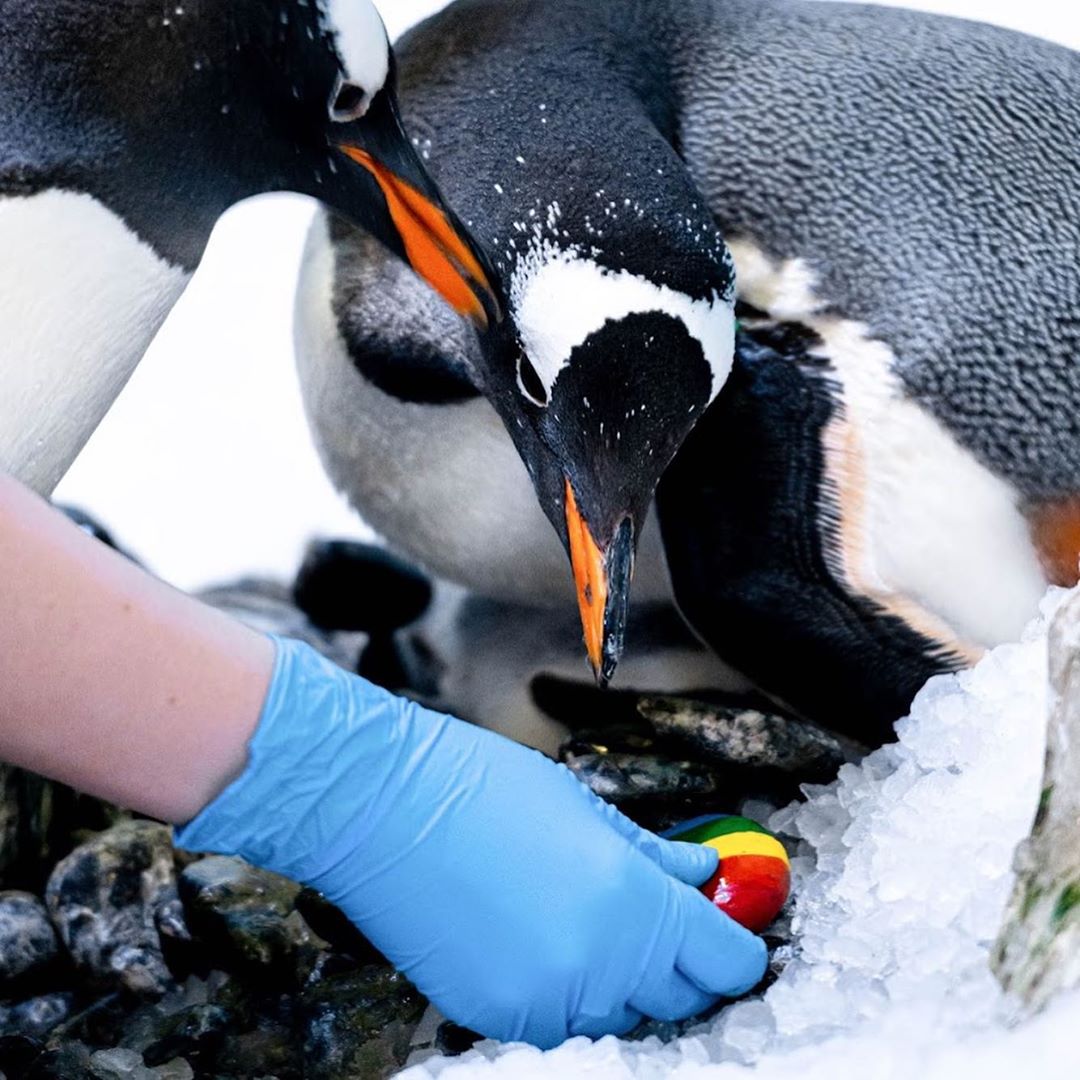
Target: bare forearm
{"points": [[110, 680]]}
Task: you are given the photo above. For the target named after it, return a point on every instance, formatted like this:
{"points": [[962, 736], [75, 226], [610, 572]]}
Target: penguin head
{"points": [[171, 113], [600, 375], [350, 108], [333, 101]]}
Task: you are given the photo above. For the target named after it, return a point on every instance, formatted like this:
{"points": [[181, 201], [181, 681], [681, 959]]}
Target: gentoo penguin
{"points": [[127, 127], [887, 475]]}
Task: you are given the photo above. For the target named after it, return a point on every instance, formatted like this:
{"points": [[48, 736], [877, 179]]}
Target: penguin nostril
{"points": [[349, 102], [530, 383]]}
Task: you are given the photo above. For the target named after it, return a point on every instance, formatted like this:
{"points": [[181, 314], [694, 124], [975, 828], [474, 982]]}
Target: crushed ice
{"points": [[903, 869]]}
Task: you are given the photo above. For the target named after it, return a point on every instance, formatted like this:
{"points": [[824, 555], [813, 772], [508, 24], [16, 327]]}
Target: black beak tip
{"points": [[620, 574]]}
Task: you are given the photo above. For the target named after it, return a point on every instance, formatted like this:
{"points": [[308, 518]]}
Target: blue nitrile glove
{"points": [[518, 902]]}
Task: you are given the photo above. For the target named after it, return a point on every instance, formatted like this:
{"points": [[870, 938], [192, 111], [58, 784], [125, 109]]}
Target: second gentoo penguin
{"points": [[883, 468], [127, 127]]}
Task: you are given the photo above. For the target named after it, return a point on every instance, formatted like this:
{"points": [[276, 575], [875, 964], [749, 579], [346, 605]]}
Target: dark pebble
{"points": [[18, 1053], [452, 1039], [28, 943], [357, 1022], [68, 1061], [250, 916], [196, 1034]]}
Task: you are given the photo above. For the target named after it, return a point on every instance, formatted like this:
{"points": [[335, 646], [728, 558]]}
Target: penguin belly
{"points": [[81, 299], [441, 483]]}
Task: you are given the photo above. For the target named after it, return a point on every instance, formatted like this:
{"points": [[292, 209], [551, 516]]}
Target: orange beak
{"points": [[590, 577], [433, 246], [602, 576]]}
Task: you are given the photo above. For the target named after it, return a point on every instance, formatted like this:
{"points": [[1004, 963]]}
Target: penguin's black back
{"points": [[926, 168], [163, 112]]}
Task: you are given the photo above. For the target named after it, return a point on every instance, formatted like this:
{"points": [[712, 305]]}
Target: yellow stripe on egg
{"points": [[748, 843]]}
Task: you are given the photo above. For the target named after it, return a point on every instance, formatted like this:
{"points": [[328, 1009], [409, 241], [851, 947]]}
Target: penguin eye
{"points": [[349, 102], [530, 383]]}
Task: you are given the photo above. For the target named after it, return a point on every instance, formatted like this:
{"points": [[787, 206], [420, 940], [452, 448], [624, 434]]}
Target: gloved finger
{"points": [[671, 996], [618, 1022], [693, 864], [718, 954]]}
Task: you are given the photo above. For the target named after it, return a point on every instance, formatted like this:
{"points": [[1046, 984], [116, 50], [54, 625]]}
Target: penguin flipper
{"points": [[745, 517]]}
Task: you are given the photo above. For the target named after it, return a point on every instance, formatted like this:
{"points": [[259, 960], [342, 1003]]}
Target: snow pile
{"points": [[902, 874]]}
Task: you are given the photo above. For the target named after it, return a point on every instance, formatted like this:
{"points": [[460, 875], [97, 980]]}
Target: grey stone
{"points": [[744, 738], [268, 1050], [103, 899], [68, 1060], [119, 1064], [195, 1034], [249, 914], [27, 940], [620, 778], [37, 1016]]}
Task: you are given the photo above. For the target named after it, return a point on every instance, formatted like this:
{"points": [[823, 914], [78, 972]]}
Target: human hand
{"points": [[518, 902]]}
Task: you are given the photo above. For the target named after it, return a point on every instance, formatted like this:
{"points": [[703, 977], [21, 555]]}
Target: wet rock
{"points": [[744, 737], [435, 1036], [103, 899], [38, 1016], [121, 1064], [620, 778], [268, 1051], [343, 585], [250, 915], [336, 928], [68, 1060], [196, 1034], [453, 1040], [118, 1064], [357, 1021], [267, 606], [28, 944], [146, 1024], [17, 1054]]}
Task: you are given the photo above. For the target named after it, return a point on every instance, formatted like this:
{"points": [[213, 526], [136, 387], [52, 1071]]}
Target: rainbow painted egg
{"points": [[753, 879]]}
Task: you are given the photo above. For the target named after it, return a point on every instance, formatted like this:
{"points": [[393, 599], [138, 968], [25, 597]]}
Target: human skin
{"points": [[112, 681]]}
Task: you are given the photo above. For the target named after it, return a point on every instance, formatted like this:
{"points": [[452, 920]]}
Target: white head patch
{"points": [[560, 301], [362, 42]]}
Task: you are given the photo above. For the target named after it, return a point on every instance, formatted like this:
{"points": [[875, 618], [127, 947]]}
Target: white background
{"points": [[204, 466]]}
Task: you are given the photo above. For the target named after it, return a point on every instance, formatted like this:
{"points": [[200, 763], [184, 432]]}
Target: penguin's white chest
{"points": [[81, 298]]}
